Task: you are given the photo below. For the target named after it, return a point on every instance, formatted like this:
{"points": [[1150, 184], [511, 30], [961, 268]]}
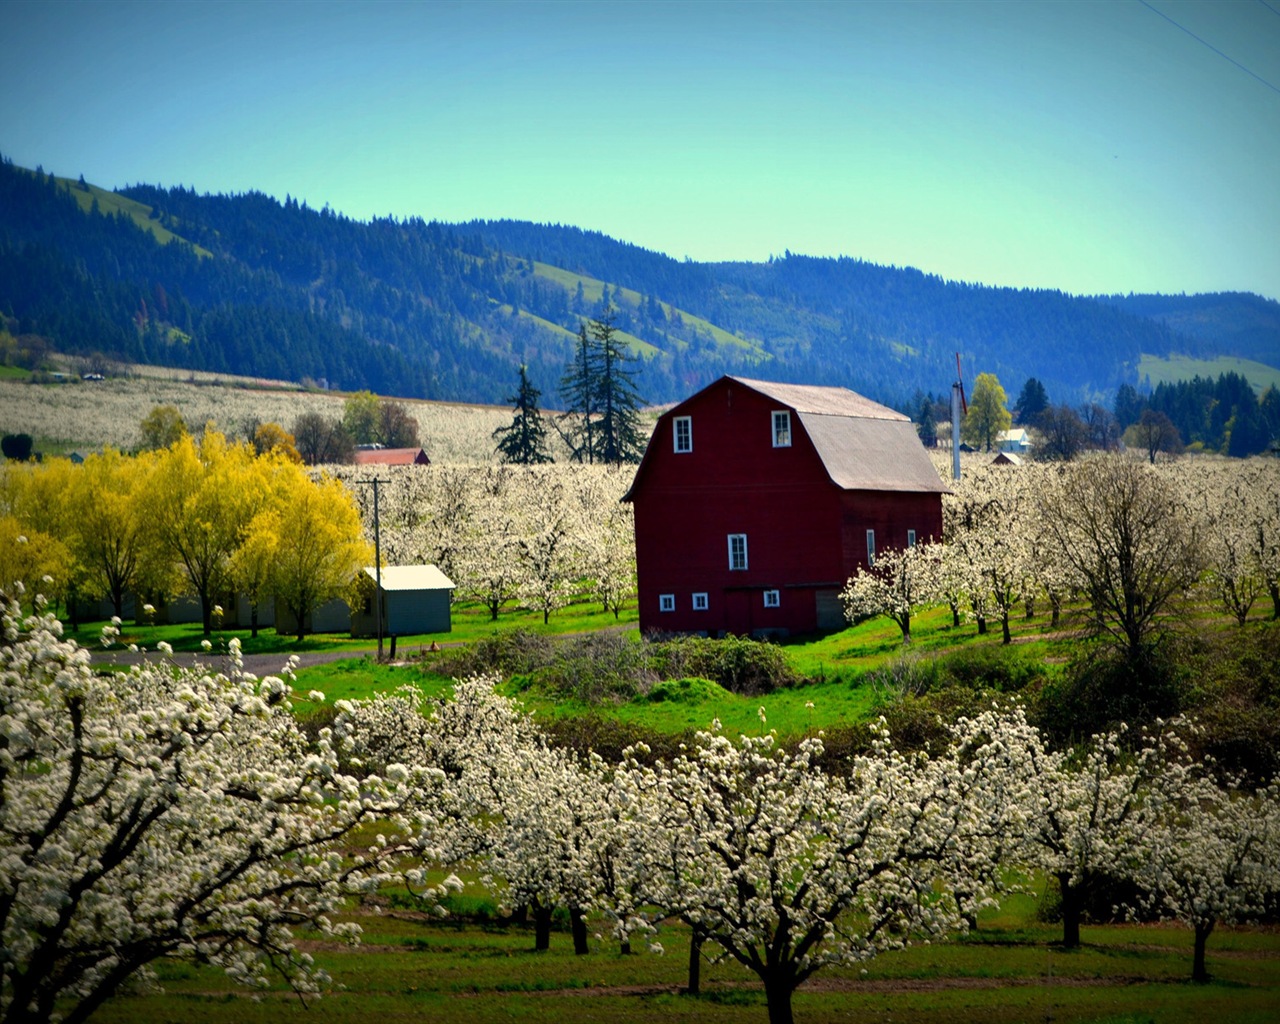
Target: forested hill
{"points": [[248, 284]]}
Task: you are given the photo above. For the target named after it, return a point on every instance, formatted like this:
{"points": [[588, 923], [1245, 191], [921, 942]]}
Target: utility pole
{"points": [[377, 562]]}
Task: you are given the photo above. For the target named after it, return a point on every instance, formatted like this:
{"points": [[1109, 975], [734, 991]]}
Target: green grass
{"points": [[14, 373], [470, 622], [592, 289], [1176, 368], [110, 203], [410, 968]]}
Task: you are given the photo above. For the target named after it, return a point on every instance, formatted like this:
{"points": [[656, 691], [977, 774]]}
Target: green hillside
{"points": [[1175, 368], [111, 203], [593, 290]]}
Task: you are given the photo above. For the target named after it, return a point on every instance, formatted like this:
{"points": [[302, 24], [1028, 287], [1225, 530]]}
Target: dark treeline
{"points": [[1222, 415], [420, 309]]}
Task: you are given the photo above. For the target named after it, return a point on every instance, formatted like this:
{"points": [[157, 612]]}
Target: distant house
{"points": [[415, 599], [755, 502], [1016, 440], [1007, 459], [391, 457]]}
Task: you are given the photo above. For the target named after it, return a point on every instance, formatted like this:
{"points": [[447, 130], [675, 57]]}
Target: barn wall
{"points": [[805, 536], [735, 481]]}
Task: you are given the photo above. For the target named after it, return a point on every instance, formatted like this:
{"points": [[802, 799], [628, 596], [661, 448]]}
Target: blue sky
{"points": [[1087, 146]]}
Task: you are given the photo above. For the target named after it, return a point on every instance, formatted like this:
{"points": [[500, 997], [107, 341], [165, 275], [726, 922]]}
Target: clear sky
{"points": [[1088, 146]]}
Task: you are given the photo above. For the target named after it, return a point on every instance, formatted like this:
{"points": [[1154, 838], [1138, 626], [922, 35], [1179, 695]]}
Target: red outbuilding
{"points": [[755, 502]]}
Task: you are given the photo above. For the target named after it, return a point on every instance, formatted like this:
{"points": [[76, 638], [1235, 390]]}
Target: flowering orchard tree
{"points": [[1088, 813], [1124, 530], [788, 869], [1214, 856], [1224, 502], [899, 581], [170, 812]]}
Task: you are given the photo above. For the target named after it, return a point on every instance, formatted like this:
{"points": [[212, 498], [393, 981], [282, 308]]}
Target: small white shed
{"points": [[415, 599]]}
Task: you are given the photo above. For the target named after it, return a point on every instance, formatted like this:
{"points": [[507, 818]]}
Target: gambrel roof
{"points": [[864, 446]]}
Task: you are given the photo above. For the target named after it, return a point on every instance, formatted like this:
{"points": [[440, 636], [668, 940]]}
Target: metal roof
{"points": [[826, 401], [411, 577], [863, 453]]}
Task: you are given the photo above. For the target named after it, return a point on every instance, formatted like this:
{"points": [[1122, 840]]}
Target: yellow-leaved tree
{"points": [[317, 547], [205, 496], [988, 414]]}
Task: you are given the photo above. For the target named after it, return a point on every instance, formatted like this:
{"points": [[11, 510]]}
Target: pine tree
{"points": [[578, 390], [525, 441], [619, 401]]}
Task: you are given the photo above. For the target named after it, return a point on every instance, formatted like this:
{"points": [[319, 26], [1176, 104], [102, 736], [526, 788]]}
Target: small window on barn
{"points": [[666, 602], [700, 601], [782, 429], [911, 538], [871, 547], [737, 551], [683, 433], [772, 599]]}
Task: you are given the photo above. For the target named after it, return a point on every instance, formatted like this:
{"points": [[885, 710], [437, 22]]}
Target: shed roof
{"points": [[411, 577], [391, 457]]}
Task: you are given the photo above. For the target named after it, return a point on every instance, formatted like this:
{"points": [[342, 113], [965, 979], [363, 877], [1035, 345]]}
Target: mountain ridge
{"points": [[247, 283]]}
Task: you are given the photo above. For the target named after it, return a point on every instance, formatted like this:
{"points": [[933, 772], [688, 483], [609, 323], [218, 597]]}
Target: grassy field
{"points": [[1176, 368], [411, 968]]}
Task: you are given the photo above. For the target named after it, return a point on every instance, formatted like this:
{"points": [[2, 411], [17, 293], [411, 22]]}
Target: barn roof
{"points": [[823, 401], [411, 577], [864, 446], [391, 457]]}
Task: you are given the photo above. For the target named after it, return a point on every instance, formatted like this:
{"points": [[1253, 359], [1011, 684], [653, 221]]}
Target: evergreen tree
{"points": [[1032, 401], [619, 400], [525, 441], [578, 390]]}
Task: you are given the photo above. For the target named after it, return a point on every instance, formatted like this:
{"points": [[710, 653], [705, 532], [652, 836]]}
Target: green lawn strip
{"points": [[470, 622], [410, 966]]}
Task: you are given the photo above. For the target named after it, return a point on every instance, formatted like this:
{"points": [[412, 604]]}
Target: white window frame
{"points": [[911, 538], [772, 599], [871, 547], [700, 603], [676, 424], [732, 560], [666, 602], [781, 428]]}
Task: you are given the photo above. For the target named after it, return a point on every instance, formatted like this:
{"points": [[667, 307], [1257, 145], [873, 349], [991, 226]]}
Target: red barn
{"points": [[755, 502]]}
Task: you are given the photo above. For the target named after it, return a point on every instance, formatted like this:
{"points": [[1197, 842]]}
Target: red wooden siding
{"points": [[804, 534]]}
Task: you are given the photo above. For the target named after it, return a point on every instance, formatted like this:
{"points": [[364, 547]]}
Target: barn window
{"points": [[666, 602], [683, 433], [772, 599], [700, 601], [737, 551], [782, 429], [871, 547], [911, 538]]}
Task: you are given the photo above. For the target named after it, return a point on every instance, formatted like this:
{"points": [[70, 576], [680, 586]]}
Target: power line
{"points": [[1203, 42], [1273, 10]]}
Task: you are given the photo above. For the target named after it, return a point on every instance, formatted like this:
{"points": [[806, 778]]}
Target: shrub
{"points": [[740, 665]]}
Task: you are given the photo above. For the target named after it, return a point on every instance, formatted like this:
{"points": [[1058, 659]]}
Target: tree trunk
{"points": [[955, 616], [777, 993], [493, 611], [1071, 908], [1198, 972], [1006, 637], [625, 948], [695, 963], [1274, 588], [253, 620], [541, 929], [1056, 605], [982, 625], [206, 614], [578, 925]]}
